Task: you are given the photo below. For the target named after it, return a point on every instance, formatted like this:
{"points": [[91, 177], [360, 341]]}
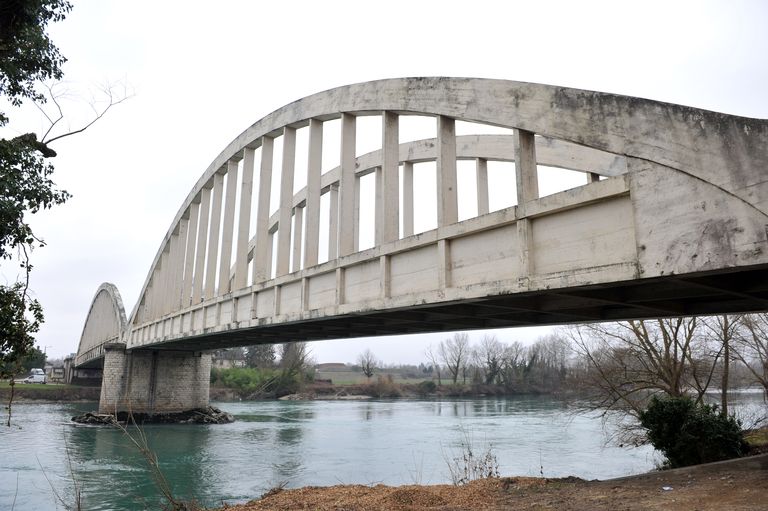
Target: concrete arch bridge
{"points": [[670, 219]]}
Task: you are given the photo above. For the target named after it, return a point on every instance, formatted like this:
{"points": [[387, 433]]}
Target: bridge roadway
{"points": [[671, 220]]}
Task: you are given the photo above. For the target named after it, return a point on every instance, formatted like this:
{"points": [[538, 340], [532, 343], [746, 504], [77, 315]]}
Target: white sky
{"points": [[202, 72]]}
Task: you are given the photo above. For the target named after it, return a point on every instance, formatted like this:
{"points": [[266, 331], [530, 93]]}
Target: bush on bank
{"points": [[250, 382], [689, 434]]}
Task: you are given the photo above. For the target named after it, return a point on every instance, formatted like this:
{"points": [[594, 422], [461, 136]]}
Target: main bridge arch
{"points": [[671, 220]]}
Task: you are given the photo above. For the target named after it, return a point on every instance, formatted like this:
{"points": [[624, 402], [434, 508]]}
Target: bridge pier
{"points": [[153, 381]]}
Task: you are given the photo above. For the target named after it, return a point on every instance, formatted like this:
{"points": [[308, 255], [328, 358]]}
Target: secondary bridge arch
{"points": [[671, 220], [105, 323]]}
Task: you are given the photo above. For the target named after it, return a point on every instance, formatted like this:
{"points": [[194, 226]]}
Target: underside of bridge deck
{"points": [[721, 292]]}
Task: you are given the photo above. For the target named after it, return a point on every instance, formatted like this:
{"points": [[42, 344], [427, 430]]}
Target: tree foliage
{"points": [[260, 355], [15, 328], [27, 57]]}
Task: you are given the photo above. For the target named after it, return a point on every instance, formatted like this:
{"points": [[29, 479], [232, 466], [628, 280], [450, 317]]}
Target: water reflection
{"points": [[376, 410], [303, 443], [103, 455]]}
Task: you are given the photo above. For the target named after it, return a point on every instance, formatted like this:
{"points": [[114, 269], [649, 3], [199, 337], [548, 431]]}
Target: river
{"points": [[300, 443]]}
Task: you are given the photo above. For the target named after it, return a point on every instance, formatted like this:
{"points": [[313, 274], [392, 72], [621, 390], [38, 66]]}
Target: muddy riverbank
{"points": [[734, 485]]}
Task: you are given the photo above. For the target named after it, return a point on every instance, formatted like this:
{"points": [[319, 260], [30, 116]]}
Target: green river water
{"points": [[299, 443]]}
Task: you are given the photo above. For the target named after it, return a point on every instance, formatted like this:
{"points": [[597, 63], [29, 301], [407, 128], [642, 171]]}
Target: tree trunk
{"points": [[726, 366]]}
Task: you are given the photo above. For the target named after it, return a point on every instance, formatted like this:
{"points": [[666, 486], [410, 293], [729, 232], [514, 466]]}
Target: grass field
{"points": [[47, 386]]}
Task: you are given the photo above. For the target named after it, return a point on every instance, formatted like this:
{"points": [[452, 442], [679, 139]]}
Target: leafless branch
{"points": [[111, 99]]}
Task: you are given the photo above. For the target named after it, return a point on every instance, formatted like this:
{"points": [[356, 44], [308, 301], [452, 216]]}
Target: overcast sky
{"points": [[202, 72]]}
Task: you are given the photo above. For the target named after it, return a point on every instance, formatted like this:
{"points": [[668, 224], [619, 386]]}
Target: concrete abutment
{"points": [[154, 381]]}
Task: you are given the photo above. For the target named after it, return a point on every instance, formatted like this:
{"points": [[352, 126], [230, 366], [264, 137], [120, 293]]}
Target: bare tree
{"points": [[454, 353], [294, 358], [512, 364], [434, 359], [721, 331], [491, 352], [751, 347], [367, 362], [630, 361], [51, 107]]}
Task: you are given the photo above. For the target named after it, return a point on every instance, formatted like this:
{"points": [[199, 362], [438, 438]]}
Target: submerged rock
{"points": [[94, 418], [207, 415]]}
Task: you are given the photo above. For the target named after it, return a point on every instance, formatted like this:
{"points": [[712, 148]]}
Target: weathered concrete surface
{"points": [[105, 323], [671, 220]]}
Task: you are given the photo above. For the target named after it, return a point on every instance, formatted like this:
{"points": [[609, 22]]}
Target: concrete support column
{"points": [[154, 296], [244, 220], [270, 252], [340, 286], [347, 185], [151, 382], [189, 257], [153, 284], [443, 264], [145, 303], [262, 261], [385, 276], [378, 204], [333, 222], [167, 279], [286, 202], [525, 167], [213, 236], [593, 177], [298, 226], [390, 179], [225, 261], [447, 197], [314, 169], [527, 190], [178, 251], [407, 198], [481, 175], [356, 217], [202, 241]]}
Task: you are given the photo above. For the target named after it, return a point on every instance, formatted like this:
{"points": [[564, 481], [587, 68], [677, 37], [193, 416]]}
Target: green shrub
{"points": [[689, 434], [427, 387], [385, 387], [246, 379]]}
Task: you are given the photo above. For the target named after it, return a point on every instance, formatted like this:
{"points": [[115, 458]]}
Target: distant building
{"points": [[331, 367], [55, 373], [227, 359]]}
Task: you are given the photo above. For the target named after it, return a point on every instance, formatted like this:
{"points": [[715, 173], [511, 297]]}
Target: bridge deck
{"points": [[671, 221]]}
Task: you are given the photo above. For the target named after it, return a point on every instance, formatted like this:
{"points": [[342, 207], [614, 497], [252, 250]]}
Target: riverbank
{"points": [[740, 484], [382, 388], [49, 393]]}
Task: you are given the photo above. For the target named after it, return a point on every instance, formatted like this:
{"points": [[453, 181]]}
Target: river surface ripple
{"points": [[299, 443]]}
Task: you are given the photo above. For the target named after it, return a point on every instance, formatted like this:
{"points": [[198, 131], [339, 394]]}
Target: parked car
{"points": [[36, 376]]}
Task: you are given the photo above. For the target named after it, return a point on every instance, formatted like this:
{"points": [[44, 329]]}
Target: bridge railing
{"points": [[94, 352], [214, 252], [209, 252]]}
